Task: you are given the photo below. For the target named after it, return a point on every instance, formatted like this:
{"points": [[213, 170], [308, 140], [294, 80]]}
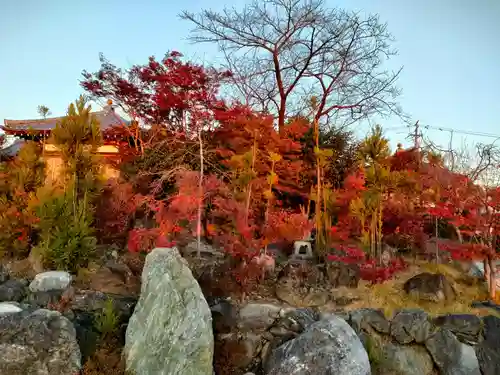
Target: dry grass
{"points": [[390, 295]]}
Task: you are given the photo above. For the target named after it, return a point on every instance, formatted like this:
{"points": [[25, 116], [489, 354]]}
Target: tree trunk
{"points": [[319, 232], [436, 244], [200, 196], [459, 235], [249, 192], [492, 282]]}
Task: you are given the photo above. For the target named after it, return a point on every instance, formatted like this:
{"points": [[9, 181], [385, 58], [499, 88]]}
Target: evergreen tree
{"points": [[78, 137], [66, 219]]}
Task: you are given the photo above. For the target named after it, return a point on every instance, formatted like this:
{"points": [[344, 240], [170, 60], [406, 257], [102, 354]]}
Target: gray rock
{"points": [[224, 314], [489, 359], [94, 301], [13, 290], [205, 249], [451, 356], [4, 274], [488, 351], [464, 326], [427, 286], [42, 342], [303, 316], [9, 308], [258, 316], [341, 274], [411, 325], [327, 347], [42, 300], [170, 331], [50, 280], [405, 360], [491, 330], [364, 319]]}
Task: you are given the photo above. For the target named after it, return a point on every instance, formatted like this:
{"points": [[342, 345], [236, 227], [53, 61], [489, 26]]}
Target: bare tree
{"points": [[479, 162], [283, 52]]}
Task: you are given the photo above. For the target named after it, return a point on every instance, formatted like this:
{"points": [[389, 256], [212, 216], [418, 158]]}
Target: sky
{"points": [[449, 51]]}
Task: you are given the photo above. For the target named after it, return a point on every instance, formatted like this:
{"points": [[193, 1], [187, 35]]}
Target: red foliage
{"points": [[115, 210], [178, 98], [369, 270], [286, 225], [159, 92], [143, 240], [241, 130]]}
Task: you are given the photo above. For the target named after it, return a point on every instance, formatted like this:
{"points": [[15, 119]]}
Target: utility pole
{"points": [[416, 137]]}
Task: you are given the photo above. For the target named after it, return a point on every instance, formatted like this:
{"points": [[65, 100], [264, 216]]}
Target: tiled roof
{"points": [[107, 119]]}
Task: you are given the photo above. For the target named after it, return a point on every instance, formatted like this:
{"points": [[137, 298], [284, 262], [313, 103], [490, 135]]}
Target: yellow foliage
{"points": [[274, 157]]}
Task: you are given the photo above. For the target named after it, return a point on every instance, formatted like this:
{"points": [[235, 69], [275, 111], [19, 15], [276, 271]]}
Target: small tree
{"points": [[66, 215], [43, 111]]}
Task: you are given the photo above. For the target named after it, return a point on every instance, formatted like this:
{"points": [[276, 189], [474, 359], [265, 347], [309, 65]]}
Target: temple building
{"points": [[40, 130]]}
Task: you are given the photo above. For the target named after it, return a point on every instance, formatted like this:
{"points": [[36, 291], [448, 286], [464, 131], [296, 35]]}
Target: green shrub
{"points": [[106, 322], [67, 240]]}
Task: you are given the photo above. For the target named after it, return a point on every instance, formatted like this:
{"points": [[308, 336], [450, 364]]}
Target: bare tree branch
{"points": [[283, 52], [480, 165]]}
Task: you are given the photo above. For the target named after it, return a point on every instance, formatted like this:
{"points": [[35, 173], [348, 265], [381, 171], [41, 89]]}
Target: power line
{"points": [[445, 129], [458, 131]]}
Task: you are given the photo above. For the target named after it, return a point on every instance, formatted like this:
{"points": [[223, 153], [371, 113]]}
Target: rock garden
{"points": [[52, 323], [180, 230]]}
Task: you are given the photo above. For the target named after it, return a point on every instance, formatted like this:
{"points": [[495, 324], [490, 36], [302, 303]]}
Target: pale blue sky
{"points": [[449, 49]]}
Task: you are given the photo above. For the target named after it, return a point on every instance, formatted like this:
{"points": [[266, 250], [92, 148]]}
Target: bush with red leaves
{"points": [[115, 210], [369, 269]]}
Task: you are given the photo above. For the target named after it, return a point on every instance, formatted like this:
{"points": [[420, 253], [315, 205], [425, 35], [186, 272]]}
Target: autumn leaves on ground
{"points": [[261, 165]]}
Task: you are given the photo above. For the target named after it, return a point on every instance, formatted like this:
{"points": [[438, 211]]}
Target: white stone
{"points": [[50, 280], [9, 308]]}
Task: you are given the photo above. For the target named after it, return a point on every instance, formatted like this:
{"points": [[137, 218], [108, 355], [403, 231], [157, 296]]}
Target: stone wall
{"points": [[411, 342], [261, 338]]}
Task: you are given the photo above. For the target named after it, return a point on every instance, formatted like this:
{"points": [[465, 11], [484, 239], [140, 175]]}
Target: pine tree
{"points": [[66, 219], [78, 137]]}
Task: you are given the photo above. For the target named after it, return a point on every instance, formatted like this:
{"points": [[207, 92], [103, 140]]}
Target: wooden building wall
{"points": [[54, 163]]}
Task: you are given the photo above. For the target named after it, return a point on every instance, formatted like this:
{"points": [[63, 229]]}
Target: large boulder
{"points": [[41, 342], [451, 356], [488, 351], [170, 331], [411, 325], [329, 346], [427, 286], [403, 360]]}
